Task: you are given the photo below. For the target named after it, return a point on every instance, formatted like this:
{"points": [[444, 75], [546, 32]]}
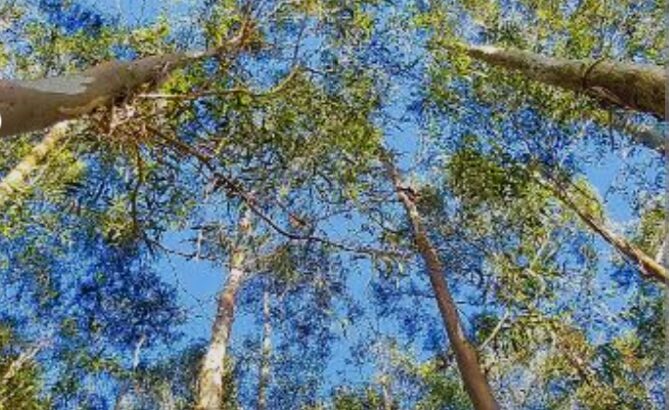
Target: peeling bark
{"points": [[212, 372], [474, 380], [639, 87]]}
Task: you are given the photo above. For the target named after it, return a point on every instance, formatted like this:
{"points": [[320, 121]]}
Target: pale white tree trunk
{"points": [[17, 179], [212, 371], [126, 398], [265, 359], [34, 105], [27, 106], [387, 392], [662, 251], [473, 378]]}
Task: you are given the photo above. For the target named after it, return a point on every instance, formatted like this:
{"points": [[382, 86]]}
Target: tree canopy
{"points": [[332, 205]]}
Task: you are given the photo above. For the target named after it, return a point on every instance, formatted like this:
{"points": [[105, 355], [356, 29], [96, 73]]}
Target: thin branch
{"points": [[237, 90]]}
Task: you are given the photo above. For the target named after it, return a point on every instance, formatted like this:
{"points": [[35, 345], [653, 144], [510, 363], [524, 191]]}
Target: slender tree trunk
{"points": [[212, 372], [27, 106], [387, 391], [637, 87], [33, 105], [23, 359], [645, 264], [659, 256], [264, 372], [17, 179], [474, 380]]}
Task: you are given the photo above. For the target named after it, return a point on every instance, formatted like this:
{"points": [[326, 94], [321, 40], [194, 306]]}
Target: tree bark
{"points": [[639, 87], [264, 371], [33, 105], [645, 264], [212, 372], [474, 380], [17, 179], [387, 394], [662, 251]]}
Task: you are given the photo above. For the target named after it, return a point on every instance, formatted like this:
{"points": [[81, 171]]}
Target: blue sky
{"points": [[198, 282]]}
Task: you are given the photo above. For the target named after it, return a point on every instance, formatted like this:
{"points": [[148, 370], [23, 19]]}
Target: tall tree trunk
{"points": [[27, 106], [212, 372], [662, 251], [645, 264], [264, 371], [638, 87], [387, 392], [33, 105], [17, 179], [474, 380]]}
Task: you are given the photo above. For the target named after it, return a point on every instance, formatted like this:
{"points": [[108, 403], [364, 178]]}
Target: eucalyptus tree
{"points": [[530, 51], [528, 248], [146, 162], [70, 267], [475, 382], [257, 139], [22, 376], [625, 85]]}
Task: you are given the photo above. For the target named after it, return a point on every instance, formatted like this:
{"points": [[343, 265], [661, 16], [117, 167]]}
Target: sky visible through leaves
{"points": [[393, 306], [198, 286]]}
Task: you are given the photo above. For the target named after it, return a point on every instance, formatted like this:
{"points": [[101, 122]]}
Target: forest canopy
{"points": [[333, 204]]}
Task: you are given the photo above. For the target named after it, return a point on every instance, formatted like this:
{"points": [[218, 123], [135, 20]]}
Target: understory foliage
{"points": [[112, 254]]}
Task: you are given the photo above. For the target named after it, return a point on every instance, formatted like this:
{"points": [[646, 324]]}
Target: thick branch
{"points": [[33, 105], [639, 87]]}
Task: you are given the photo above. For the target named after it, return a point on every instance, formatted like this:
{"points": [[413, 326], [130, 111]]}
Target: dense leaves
{"points": [[114, 249]]}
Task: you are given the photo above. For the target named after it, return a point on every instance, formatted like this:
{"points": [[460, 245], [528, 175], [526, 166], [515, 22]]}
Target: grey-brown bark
{"points": [[638, 87], [212, 372], [33, 105], [474, 380]]}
